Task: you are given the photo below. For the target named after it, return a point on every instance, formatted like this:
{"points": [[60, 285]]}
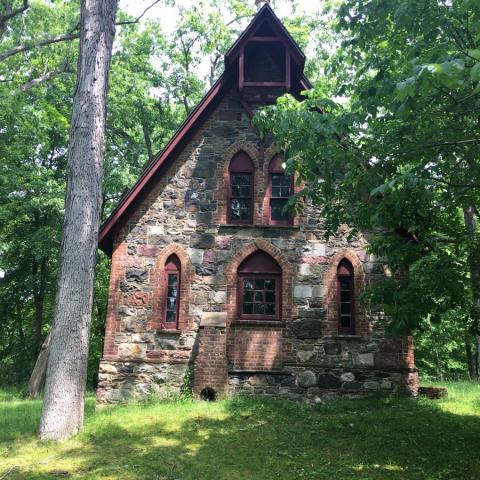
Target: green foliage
{"points": [[384, 437], [396, 155]]}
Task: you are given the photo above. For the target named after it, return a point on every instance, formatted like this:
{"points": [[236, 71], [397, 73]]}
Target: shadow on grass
{"points": [[267, 439]]}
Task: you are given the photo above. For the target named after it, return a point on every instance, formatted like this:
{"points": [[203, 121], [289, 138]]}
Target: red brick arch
{"points": [[157, 279], [223, 176], [363, 326], [288, 309]]}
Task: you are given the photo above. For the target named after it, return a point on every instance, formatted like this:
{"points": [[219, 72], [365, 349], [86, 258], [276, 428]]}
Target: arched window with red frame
{"points": [[241, 186], [259, 288], [346, 297], [172, 291], [279, 190]]}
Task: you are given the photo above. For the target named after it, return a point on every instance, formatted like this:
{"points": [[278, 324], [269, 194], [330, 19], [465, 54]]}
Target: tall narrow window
{"points": [[240, 201], [346, 299], [172, 297], [259, 288], [280, 189]]}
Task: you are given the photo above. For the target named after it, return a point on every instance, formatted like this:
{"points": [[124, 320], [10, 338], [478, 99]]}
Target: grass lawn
{"points": [[247, 439]]}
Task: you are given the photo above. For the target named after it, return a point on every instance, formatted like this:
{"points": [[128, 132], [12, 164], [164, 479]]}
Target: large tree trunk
{"points": [[471, 225], [37, 378], [63, 405]]}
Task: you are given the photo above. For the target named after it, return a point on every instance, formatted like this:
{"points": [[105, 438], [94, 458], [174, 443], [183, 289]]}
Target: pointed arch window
{"points": [[346, 297], [280, 189], [172, 293], [259, 288], [241, 185]]}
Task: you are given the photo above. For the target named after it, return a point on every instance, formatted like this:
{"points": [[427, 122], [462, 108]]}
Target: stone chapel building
{"points": [[213, 284]]}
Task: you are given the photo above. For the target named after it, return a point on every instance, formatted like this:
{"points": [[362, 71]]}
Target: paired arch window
{"points": [[346, 297], [172, 291], [279, 187], [240, 202], [259, 288]]}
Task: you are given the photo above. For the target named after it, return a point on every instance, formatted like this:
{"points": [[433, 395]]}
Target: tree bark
{"points": [[63, 406], [39, 298], [37, 378], [471, 224], [472, 371]]}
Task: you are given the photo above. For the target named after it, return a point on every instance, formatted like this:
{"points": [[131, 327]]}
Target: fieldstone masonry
{"points": [[302, 356]]}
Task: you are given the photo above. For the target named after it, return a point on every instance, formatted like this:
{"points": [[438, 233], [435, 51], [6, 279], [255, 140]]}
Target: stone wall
{"points": [[185, 214]]}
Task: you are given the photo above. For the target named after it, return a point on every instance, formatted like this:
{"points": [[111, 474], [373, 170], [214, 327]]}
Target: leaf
{"points": [[475, 72]]}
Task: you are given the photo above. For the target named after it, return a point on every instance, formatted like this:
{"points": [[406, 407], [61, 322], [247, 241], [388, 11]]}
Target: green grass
{"points": [[248, 439]]}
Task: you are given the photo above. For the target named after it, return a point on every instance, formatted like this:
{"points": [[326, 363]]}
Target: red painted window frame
{"points": [[172, 267], [240, 164], [259, 266], [345, 270], [278, 292], [275, 168]]}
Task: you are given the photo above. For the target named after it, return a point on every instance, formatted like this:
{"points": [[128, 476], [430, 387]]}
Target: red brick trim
{"points": [[157, 280], [288, 308], [223, 175], [112, 324], [363, 326]]}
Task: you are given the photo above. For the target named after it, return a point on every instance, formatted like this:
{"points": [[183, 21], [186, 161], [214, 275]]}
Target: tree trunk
{"points": [[474, 264], [472, 370], [63, 405], [38, 300], [37, 378]]}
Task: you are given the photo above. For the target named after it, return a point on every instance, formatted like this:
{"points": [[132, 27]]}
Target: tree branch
{"points": [[136, 20], [45, 77], [13, 13], [41, 43]]}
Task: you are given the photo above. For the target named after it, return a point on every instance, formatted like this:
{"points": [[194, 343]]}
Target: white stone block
{"points": [[217, 297], [305, 269], [319, 249], [302, 291], [156, 230], [365, 359], [196, 255]]}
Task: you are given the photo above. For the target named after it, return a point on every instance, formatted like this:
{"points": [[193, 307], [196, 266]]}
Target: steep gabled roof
{"points": [[163, 159]]}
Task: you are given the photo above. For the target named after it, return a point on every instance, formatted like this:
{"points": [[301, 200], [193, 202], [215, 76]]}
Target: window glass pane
{"points": [[270, 309], [259, 296], [276, 207], [248, 308], [240, 209], [248, 296], [270, 296], [171, 316], [270, 284], [241, 185], [345, 308], [345, 295], [281, 186], [260, 308], [344, 283], [172, 292], [345, 321]]}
